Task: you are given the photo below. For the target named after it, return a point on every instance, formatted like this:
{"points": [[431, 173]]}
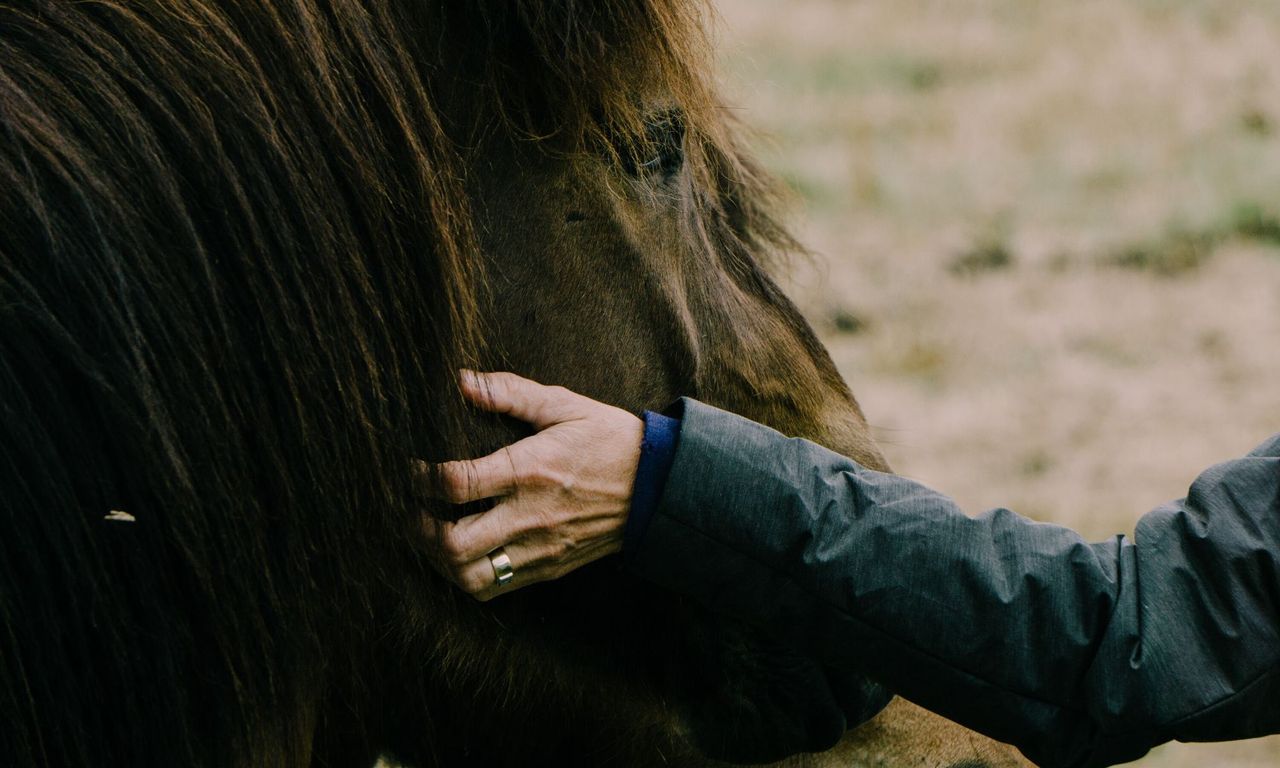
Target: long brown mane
{"points": [[238, 269]]}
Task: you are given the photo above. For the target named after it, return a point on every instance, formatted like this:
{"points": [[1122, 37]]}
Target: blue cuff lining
{"points": [[657, 454]]}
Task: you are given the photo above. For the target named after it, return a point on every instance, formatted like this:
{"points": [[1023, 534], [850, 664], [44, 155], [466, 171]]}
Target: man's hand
{"points": [[562, 495]]}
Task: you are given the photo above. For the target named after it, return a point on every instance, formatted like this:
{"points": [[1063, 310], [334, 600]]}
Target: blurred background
{"points": [[1047, 239]]}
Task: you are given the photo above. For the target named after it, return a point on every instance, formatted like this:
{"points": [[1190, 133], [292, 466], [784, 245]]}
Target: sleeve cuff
{"points": [[657, 454]]}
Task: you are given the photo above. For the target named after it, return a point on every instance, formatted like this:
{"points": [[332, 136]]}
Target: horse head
{"points": [[244, 249]]}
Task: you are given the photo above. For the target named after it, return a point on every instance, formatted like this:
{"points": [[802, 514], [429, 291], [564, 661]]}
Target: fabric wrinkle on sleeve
{"points": [[1080, 654]]}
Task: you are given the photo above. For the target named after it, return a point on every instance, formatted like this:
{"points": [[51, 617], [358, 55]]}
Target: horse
{"points": [[244, 249]]}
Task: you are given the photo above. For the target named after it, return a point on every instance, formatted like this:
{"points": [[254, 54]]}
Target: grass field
{"points": [[1048, 238]]}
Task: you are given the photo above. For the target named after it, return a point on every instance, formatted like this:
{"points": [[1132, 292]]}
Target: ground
{"points": [[1047, 239]]}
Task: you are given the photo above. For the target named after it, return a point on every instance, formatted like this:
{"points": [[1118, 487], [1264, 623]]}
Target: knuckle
{"points": [[558, 479], [473, 583], [505, 381], [525, 473], [560, 482], [454, 550], [559, 550], [454, 481]]}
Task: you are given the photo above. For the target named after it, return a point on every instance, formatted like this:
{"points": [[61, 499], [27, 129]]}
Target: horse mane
{"points": [[237, 273]]}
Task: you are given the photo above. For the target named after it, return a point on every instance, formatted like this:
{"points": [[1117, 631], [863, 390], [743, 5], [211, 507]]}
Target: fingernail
{"points": [[469, 378]]}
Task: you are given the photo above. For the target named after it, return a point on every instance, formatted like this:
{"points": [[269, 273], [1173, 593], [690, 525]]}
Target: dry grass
{"points": [[1051, 238]]}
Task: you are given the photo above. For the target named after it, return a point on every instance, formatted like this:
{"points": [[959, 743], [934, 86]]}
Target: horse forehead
{"points": [[574, 215]]}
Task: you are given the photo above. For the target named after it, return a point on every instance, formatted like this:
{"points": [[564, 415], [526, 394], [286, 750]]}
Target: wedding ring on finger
{"points": [[503, 573]]}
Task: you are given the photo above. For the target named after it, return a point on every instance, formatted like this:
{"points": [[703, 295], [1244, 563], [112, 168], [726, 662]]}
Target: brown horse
{"points": [[243, 249]]}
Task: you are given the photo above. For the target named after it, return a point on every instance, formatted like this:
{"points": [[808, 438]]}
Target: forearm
{"points": [[1079, 653]]}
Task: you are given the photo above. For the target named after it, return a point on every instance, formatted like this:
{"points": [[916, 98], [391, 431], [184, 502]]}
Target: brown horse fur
{"points": [[244, 246]]}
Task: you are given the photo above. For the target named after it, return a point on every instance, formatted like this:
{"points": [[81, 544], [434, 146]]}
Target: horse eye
{"points": [[660, 152]]}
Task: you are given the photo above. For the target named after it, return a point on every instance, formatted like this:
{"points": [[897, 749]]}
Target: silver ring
{"points": [[502, 570]]}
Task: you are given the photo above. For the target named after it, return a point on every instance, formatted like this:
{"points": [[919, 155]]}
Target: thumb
{"points": [[521, 398]]}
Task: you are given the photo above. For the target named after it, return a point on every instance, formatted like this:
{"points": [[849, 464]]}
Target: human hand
{"points": [[562, 494]]}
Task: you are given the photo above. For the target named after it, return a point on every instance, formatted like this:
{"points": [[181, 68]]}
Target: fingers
{"points": [[479, 578], [563, 494], [474, 536], [533, 559], [522, 398], [482, 478], [464, 552]]}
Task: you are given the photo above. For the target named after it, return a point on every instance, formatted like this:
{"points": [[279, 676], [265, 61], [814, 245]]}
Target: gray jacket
{"points": [[1079, 654]]}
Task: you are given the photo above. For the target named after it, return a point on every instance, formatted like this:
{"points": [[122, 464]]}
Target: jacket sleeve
{"points": [[1079, 654]]}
